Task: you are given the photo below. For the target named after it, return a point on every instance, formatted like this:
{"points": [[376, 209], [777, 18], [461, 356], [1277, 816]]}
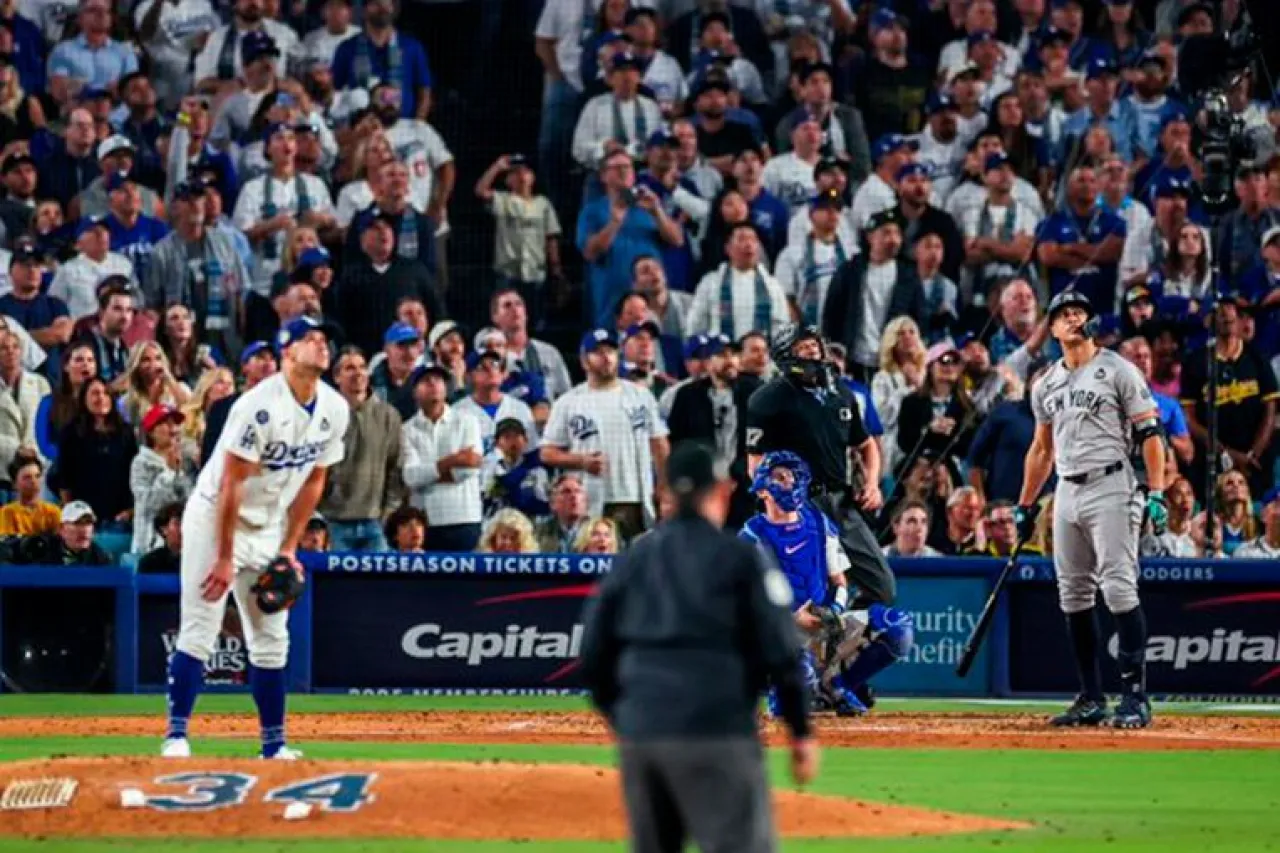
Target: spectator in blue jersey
{"points": [[1068, 16], [133, 234], [45, 317], [614, 230], [92, 60], [139, 121], [1122, 37], [1000, 446], [525, 385], [1150, 101], [1174, 158], [1104, 109], [1081, 244], [513, 476], [382, 52], [768, 213], [680, 199], [67, 164], [1137, 351], [28, 54]]}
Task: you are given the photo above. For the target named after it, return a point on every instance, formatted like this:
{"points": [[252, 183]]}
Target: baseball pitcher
{"points": [[846, 647], [1091, 407], [242, 525]]}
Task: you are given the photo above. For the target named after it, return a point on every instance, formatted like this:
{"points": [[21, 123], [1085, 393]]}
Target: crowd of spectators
{"points": [[916, 178]]}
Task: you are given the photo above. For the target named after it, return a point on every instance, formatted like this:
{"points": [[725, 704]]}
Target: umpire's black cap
{"points": [[693, 468]]}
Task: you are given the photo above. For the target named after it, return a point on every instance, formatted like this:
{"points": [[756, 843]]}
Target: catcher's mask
{"points": [[786, 477]]}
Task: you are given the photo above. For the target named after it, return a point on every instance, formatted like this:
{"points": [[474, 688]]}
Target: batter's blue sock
{"points": [[268, 695], [1132, 652], [1083, 628], [186, 677], [875, 658]]}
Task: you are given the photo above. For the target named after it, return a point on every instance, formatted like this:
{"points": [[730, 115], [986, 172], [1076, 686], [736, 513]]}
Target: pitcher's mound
{"points": [[205, 798]]}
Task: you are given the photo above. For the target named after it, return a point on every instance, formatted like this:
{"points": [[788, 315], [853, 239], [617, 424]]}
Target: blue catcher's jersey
{"points": [[802, 550]]}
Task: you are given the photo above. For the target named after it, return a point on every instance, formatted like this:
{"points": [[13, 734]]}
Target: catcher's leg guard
{"points": [[809, 672], [892, 637]]}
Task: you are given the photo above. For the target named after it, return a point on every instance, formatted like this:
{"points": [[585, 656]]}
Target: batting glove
{"points": [[1025, 518], [1157, 512]]}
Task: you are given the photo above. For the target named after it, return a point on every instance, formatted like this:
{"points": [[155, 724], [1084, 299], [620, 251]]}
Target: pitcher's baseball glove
{"points": [[279, 586]]}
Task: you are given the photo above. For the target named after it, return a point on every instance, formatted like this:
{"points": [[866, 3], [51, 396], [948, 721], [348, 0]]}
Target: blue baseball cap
{"points": [[189, 190], [1170, 186], [427, 369], [939, 102], [912, 168], [272, 129], [649, 326], [295, 330], [995, 161], [885, 17], [890, 142], [116, 180], [476, 356], [253, 349], [86, 223], [401, 333], [1271, 496], [1100, 66], [316, 256], [981, 37], [256, 44], [597, 338], [693, 345], [1054, 34], [800, 115], [1172, 115], [623, 60], [661, 137], [829, 198]]}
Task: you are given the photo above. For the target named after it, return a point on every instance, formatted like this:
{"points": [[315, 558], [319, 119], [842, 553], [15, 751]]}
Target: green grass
{"points": [[1100, 802]]}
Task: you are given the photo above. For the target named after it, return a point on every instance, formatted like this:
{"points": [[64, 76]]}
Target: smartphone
{"points": [[628, 196]]}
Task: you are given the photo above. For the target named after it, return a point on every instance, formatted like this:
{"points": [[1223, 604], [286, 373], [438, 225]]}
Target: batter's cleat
{"points": [[866, 696], [845, 703], [1133, 711], [284, 753], [175, 747], [1083, 712]]}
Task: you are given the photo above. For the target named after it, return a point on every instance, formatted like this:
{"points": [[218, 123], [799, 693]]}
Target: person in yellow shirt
{"points": [[28, 515]]}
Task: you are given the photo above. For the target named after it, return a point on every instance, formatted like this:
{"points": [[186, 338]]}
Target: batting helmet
{"points": [[788, 496], [1076, 299]]}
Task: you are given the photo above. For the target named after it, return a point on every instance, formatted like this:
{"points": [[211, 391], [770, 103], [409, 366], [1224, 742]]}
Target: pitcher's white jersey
{"points": [[268, 426]]}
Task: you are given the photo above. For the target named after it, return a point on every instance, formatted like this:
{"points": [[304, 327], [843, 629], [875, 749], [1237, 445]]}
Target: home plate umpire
{"points": [[679, 643]]}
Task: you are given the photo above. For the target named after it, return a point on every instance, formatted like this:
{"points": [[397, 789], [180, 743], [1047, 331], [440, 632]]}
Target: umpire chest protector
{"points": [[818, 425]]}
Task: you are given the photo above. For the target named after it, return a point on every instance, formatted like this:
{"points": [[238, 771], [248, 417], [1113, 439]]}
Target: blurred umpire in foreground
{"points": [[680, 641]]}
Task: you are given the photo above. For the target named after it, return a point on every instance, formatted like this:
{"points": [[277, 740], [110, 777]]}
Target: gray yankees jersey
{"points": [[1091, 410]]}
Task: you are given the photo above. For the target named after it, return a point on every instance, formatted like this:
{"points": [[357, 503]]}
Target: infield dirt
{"points": [[928, 731]]}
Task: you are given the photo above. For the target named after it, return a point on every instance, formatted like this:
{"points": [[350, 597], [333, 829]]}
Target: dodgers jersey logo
{"points": [[582, 427], [279, 455], [639, 418]]}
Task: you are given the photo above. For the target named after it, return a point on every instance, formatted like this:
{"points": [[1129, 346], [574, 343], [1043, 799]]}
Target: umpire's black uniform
{"points": [[679, 643], [821, 425]]}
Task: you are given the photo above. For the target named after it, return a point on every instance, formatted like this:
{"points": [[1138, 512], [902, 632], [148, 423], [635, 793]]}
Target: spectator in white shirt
{"points": [[170, 32], [442, 454], [662, 74], [321, 44], [417, 144], [889, 154], [1266, 546], [829, 174], [76, 282], [718, 48], [219, 65], [941, 147], [805, 268], [610, 430], [739, 296], [965, 82], [270, 205], [621, 119], [980, 17], [789, 176], [487, 403], [999, 233], [371, 154]]}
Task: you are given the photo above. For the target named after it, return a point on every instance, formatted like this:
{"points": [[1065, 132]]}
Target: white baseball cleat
{"points": [[175, 747], [284, 753]]}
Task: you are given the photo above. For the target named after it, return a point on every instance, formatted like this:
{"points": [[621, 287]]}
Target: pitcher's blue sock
{"points": [[268, 695], [186, 677]]}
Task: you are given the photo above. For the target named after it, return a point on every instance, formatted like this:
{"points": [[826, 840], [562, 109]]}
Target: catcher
{"points": [[847, 647]]}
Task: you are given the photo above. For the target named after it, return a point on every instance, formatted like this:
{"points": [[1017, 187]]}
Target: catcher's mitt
{"points": [[278, 587]]}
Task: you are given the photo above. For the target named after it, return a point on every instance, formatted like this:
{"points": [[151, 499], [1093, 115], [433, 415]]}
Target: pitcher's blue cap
{"points": [[295, 330]]}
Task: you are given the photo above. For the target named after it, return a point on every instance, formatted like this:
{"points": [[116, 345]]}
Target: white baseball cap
{"points": [[113, 144], [439, 330], [1270, 234], [485, 335], [76, 512]]}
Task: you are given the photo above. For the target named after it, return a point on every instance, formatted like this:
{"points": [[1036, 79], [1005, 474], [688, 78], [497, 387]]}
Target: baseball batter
{"points": [[1090, 407], [250, 506]]}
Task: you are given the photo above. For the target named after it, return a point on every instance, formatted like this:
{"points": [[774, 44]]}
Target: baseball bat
{"points": [[979, 633]]}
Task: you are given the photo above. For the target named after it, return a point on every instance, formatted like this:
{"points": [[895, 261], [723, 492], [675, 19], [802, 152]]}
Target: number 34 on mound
{"points": [[339, 792]]}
